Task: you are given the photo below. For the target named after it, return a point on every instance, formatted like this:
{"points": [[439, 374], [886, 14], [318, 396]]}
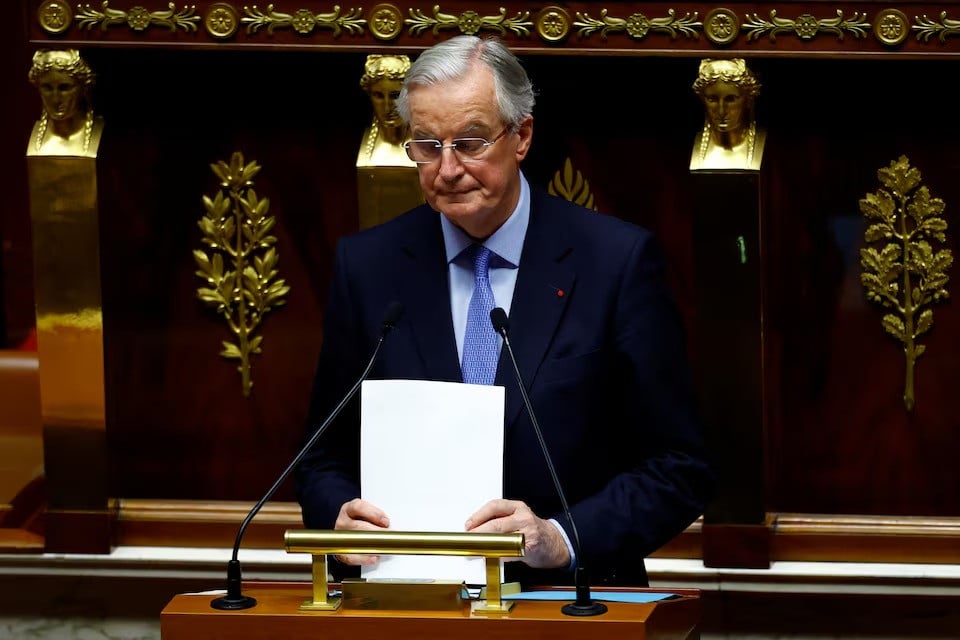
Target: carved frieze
{"points": [[649, 27]]}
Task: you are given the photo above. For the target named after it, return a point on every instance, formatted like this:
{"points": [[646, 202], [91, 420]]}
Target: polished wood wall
{"points": [[830, 435]]}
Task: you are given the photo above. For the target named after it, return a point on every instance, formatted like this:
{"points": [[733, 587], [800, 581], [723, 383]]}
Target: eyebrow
{"points": [[473, 130]]}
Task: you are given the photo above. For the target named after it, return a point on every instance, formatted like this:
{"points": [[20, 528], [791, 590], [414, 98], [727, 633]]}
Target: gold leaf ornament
{"points": [[902, 270], [239, 267]]}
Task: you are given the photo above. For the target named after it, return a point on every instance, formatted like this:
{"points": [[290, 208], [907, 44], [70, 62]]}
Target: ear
{"points": [[525, 133]]}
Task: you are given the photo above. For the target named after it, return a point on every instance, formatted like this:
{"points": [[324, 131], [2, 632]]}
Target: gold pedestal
{"points": [[64, 212], [386, 192]]}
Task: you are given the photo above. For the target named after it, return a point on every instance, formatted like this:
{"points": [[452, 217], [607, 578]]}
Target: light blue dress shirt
{"points": [[506, 243]]}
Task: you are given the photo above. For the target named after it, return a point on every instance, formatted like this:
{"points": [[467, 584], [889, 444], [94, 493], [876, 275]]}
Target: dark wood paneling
{"points": [[21, 108], [840, 438]]}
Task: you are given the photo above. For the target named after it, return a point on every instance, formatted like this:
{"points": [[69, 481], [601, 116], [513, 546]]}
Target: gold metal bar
{"points": [[487, 545]]}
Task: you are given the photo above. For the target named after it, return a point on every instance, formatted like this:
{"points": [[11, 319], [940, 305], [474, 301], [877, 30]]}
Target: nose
{"points": [[450, 164]]}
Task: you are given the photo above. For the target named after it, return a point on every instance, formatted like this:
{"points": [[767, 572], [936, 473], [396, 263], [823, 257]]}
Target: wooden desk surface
{"points": [[277, 615]]}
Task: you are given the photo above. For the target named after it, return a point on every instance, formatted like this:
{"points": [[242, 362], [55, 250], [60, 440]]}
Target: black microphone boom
{"points": [[234, 598], [584, 604]]}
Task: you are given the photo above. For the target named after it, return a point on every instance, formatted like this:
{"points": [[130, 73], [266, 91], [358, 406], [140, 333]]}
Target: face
{"points": [[725, 106], [60, 94], [477, 196], [383, 97]]}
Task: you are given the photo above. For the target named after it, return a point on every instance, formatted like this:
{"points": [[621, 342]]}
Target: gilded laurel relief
{"points": [[903, 271], [572, 186], [240, 270], [806, 26], [138, 18], [637, 25], [304, 21]]}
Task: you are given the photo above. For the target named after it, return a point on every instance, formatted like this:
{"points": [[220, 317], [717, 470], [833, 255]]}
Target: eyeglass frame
{"points": [[453, 146]]}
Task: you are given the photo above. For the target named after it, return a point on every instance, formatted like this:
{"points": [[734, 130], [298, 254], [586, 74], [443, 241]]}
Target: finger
{"points": [[497, 508], [358, 512], [358, 560]]}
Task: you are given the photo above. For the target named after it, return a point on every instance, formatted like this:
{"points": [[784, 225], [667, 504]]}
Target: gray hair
{"points": [[454, 58]]}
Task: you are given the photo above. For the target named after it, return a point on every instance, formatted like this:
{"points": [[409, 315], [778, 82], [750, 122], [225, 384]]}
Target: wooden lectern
{"points": [[278, 615]]}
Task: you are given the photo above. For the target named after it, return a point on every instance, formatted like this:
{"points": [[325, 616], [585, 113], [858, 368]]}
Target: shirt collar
{"points": [[506, 242]]}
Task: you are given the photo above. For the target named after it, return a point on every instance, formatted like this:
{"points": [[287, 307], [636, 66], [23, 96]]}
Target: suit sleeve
{"points": [[328, 475], [666, 480]]}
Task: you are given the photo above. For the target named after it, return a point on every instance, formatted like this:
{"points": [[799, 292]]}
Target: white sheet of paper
{"points": [[431, 453]]}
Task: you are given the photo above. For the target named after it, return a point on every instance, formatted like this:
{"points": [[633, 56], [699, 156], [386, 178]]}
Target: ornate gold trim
{"points": [[553, 23], [638, 25], [906, 274], [891, 27], [385, 21], [54, 16], [806, 26], [138, 18], [236, 225], [926, 27], [468, 22], [222, 20], [304, 21], [721, 26]]}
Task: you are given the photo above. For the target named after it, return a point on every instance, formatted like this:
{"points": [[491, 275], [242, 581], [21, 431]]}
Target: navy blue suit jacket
{"points": [[600, 347]]}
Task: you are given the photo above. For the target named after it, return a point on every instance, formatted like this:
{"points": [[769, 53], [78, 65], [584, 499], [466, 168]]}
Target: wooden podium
{"points": [[277, 615]]}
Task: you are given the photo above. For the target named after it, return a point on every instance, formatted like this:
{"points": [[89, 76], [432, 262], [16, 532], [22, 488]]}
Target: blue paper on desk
{"points": [[607, 596]]}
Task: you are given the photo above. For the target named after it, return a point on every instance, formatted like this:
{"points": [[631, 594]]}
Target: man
{"points": [[598, 341]]}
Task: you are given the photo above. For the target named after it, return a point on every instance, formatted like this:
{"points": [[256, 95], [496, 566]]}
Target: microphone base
{"points": [[591, 608], [233, 603]]}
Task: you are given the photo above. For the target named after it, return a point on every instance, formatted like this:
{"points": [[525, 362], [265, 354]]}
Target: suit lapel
{"points": [[544, 285], [423, 282]]}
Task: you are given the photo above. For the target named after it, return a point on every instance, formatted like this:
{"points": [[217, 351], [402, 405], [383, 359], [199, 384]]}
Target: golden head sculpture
{"points": [[730, 138], [67, 124], [382, 79]]}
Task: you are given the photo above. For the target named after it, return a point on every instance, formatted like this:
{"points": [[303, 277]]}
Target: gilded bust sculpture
{"points": [[67, 126], [730, 139], [388, 181], [383, 140]]}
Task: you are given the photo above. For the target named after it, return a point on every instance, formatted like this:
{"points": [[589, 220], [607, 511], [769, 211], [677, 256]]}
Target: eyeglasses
{"points": [[467, 149]]}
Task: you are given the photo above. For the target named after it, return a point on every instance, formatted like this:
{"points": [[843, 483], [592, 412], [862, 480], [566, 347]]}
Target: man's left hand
{"points": [[544, 546]]}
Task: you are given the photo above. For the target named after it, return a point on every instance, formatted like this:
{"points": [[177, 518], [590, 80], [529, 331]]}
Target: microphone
{"points": [[584, 604], [234, 598]]}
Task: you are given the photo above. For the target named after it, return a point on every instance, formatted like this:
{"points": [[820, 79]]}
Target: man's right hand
{"points": [[358, 514]]}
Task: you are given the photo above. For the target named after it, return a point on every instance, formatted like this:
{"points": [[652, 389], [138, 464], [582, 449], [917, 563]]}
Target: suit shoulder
{"points": [[414, 222]]}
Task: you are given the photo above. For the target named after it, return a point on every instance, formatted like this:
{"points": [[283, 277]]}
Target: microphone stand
{"points": [[234, 598], [584, 605]]}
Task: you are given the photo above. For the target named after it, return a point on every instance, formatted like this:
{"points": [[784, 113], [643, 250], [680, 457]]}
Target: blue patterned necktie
{"points": [[481, 344]]}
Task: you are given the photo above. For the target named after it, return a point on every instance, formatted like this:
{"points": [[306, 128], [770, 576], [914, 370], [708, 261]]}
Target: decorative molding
{"points": [[721, 26], [927, 28], [891, 27], [54, 16], [795, 537], [222, 20], [805, 26], [137, 18], [638, 25], [304, 21], [614, 25], [469, 22], [385, 21]]}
